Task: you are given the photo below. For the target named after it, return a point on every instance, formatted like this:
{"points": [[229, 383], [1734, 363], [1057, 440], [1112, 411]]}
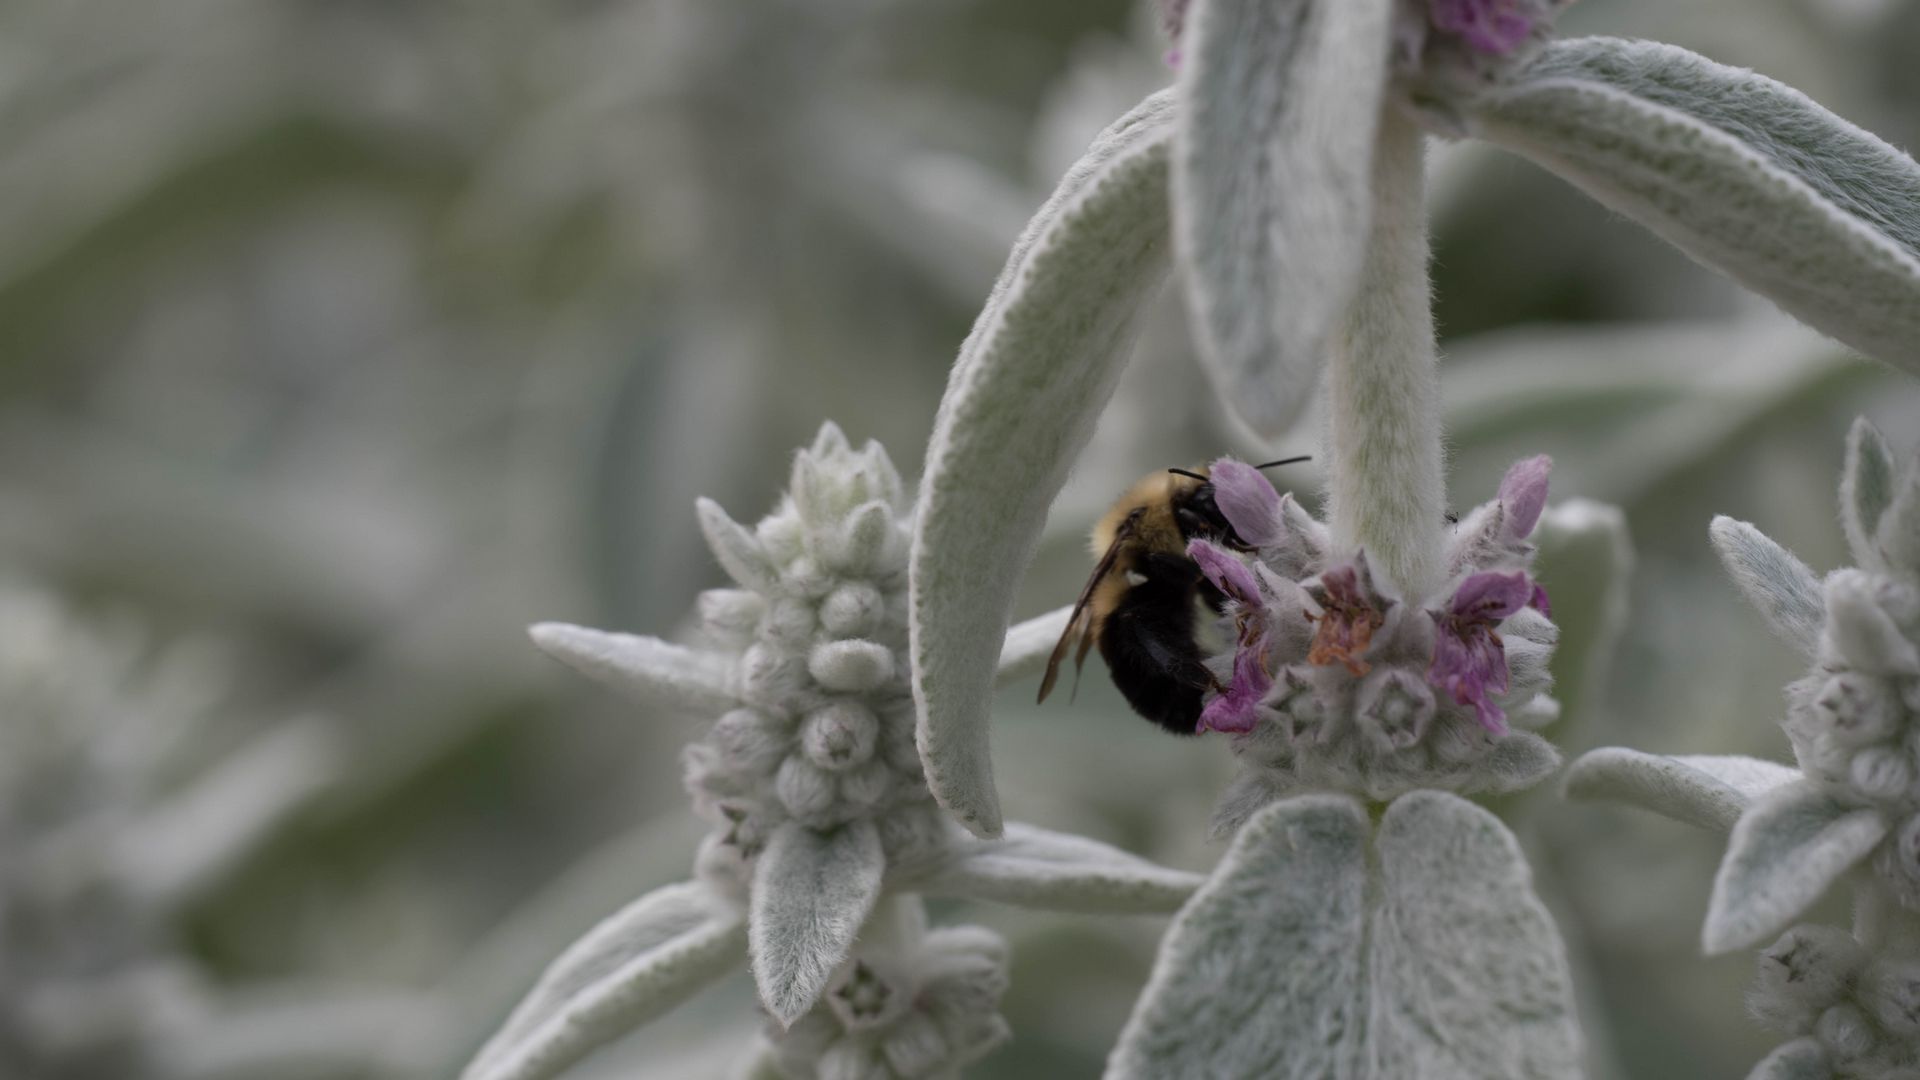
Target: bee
{"points": [[1141, 603]]}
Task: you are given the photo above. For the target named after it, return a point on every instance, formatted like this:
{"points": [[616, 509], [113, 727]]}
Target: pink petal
{"points": [[1492, 596], [1247, 500], [1523, 491], [1226, 571], [1538, 601], [1238, 708]]}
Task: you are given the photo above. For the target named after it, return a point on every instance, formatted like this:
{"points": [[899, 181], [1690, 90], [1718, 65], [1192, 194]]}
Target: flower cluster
{"points": [[1859, 1014], [921, 1010], [1336, 680], [823, 732]]}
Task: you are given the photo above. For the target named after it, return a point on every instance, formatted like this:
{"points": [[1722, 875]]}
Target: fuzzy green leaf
{"points": [[1745, 175], [1707, 791], [1272, 190], [1287, 963], [812, 891], [1866, 491], [636, 965], [1776, 583], [1032, 378], [1801, 1059], [1039, 868], [1262, 973], [646, 669], [1787, 849]]}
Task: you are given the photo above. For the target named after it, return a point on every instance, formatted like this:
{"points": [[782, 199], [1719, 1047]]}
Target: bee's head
{"points": [[1196, 512]]}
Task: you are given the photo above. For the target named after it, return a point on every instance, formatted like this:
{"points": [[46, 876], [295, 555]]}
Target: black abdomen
{"points": [[1148, 643]]}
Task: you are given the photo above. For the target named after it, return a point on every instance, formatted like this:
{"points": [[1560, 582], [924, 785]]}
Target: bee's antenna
{"points": [[1183, 472], [1286, 461]]}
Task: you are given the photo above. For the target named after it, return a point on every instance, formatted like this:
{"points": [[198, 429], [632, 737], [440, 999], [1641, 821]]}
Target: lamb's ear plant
{"points": [[1383, 662], [825, 837], [1849, 813]]}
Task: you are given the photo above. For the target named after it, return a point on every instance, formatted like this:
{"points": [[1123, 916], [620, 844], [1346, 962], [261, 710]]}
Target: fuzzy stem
{"points": [[1387, 490]]}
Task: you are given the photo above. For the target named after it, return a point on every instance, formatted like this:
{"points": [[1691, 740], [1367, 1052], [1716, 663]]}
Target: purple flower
{"points": [[1490, 26], [1226, 571], [1247, 500], [1469, 660], [1348, 617], [1523, 494], [1237, 707]]}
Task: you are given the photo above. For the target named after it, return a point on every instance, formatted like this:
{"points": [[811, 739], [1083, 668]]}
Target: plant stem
{"points": [[1387, 489]]}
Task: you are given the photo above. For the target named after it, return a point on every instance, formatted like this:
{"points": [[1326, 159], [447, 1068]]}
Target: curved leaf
{"points": [[1262, 973], [1469, 975], [1745, 175], [1031, 379], [1801, 1059], [1707, 791], [646, 669], [1787, 849], [1039, 868], [1586, 560], [812, 891], [636, 965], [1866, 491], [1272, 189], [1776, 583], [1029, 644]]}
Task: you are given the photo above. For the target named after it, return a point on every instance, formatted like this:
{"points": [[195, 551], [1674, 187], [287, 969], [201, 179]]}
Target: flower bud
{"points": [[868, 994], [751, 740], [1395, 707], [1302, 714], [1890, 991], [851, 667], [866, 785], [773, 678], [1881, 773], [853, 610], [1801, 975], [806, 790], [783, 536], [1857, 709], [1846, 1033], [790, 622], [839, 735]]}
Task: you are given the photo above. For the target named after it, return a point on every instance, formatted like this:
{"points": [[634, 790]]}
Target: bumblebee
{"points": [[1141, 604]]}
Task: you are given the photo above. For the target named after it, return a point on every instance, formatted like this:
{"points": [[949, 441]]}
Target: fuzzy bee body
{"points": [[1142, 604]]}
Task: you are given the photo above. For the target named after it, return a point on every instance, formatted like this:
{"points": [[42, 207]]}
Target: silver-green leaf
{"points": [[1039, 868], [1469, 975], [1031, 379], [1801, 1059], [632, 967], [1708, 791], [812, 891], [1272, 191], [1745, 175], [646, 669], [1288, 962], [1262, 973], [1029, 643], [1780, 586], [1866, 491], [1787, 849]]}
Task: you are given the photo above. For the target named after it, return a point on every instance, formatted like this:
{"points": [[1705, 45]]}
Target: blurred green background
{"points": [[344, 339]]}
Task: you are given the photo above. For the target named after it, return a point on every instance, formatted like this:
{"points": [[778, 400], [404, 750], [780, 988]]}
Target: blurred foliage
{"points": [[355, 337]]}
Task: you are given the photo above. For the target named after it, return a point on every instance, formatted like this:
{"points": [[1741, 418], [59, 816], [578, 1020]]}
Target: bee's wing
{"points": [[1081, 621]]}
